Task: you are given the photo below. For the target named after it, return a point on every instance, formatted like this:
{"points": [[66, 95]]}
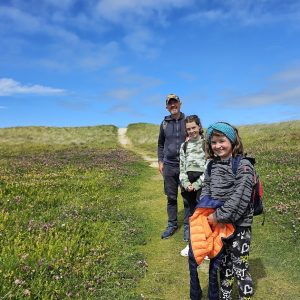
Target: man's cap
{"points": [[172, 96]]}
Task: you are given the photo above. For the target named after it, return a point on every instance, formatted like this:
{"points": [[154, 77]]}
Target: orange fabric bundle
{"points": [[206, 240]]}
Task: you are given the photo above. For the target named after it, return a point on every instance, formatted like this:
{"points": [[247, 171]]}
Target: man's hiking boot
{"points": [[170, 230], [186, 233]]}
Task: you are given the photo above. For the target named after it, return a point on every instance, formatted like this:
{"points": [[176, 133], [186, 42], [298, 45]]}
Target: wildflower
{"points": [[24, 256], [18, 282], [18, 199]]}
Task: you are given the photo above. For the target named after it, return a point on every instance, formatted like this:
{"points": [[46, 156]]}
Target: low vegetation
{"points": [[144, 137], [67, 225], [81, 218], [275, 246]]}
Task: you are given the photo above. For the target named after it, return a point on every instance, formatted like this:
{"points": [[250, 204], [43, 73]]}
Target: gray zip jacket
{"points": [[235, 191], [171, 135]]}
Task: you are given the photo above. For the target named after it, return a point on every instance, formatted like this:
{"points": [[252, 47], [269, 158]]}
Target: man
{"points": [[172, 134]]}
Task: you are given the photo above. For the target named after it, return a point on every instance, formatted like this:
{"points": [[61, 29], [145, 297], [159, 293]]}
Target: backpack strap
{"points": [[209, 165], [235, 163]]}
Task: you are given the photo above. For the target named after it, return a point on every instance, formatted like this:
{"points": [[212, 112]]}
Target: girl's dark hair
{"points": [[196, 119], [237, 147]]}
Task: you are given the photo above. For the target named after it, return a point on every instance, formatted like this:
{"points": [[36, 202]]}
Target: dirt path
{"points": [[126, 143]]}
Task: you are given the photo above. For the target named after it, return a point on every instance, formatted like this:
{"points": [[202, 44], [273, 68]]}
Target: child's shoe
{"points": [[185, 251]]}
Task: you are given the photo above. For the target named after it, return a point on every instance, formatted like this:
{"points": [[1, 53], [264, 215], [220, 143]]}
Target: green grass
{"points": [[97, 136], [274, 258], [67, 224], [144, 137], [81, 218]]}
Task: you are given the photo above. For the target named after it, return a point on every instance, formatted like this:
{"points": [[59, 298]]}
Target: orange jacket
{"points": [[207, 239]]}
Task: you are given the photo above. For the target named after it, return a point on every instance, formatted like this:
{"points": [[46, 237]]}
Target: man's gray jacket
{"points": [[171, 135]]}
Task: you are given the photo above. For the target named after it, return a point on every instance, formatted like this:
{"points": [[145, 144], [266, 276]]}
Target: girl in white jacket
{"points": [[192, 167]]}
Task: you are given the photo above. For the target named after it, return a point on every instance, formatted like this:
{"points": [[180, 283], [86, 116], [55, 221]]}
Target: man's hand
{"points": [[161, 167]]}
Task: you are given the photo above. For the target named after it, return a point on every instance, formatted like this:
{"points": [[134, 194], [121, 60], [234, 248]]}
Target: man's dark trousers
{"points": [[171, 183]]}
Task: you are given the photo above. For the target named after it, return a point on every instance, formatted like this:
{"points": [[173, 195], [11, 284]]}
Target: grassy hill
{"points": [[81, 217]]}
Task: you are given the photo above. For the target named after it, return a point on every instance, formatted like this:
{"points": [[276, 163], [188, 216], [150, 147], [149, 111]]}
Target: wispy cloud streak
{"points": [[281, 88], [9, 87]]}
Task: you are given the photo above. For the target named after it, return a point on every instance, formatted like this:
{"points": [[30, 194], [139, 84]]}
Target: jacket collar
{"points": [[218, 160], [169, 118]]}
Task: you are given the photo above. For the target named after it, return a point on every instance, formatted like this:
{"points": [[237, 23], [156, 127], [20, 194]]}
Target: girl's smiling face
{"points": [[221, 146], [192, 130]]}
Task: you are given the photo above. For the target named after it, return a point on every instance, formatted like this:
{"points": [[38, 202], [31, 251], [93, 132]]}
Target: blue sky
{"points": [[95, 62]]}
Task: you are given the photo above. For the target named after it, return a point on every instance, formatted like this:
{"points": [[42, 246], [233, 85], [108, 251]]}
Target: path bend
{"points": [[126, 143]]}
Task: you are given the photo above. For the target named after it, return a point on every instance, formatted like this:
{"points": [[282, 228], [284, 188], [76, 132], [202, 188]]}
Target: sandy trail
{"points": [[126, 143]]}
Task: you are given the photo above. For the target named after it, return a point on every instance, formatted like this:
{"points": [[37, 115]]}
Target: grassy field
{"points": [[274, 256], [144, 137], [81, 217], [67, 224]]}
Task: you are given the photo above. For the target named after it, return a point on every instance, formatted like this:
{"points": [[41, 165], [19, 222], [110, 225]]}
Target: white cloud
{"points": [[288, 96], [118, 10], [124, 109], [124, 75], [289, 75], [10, 87], [144, 42], [24, 22], [122, 94], [65, 4], [246, 13], [121, 108], [95, 57], [66, 41], [21, 20], [83, 56], [135, 16], [71, 40], [282, 88], [130, 88], [74, 105], [204, 16]]}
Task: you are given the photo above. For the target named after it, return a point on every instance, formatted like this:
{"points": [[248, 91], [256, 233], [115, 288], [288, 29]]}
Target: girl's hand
{"points": [[212, 219], [190, 188]]}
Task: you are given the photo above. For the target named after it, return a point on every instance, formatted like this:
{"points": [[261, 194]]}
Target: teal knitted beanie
{"points": [[224, 128]]}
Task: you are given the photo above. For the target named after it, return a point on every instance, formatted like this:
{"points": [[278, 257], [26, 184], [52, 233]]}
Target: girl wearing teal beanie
{"points": [[223, 144]]}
